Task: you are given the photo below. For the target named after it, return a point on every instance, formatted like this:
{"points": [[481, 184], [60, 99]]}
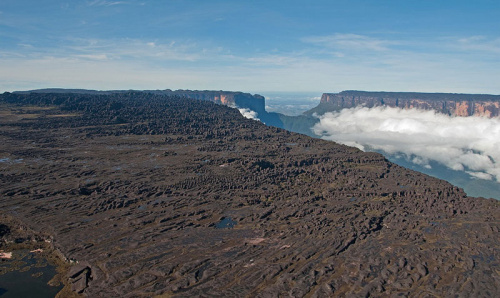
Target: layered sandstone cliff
{"points": [[229, 98], [446, 103]]}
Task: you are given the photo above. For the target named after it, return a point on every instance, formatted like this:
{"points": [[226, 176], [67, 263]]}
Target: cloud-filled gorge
{"points": [[249, 114], [468, 144]]}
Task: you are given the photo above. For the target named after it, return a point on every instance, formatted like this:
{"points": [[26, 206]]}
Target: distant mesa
{"points": [[238, 99], [446, 103], [229, 98]]}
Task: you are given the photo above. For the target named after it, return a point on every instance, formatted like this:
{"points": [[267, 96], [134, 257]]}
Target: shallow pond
{"points": [[26, 275], [225, 223]]}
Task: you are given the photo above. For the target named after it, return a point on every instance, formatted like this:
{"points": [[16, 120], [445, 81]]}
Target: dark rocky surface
{"points": [[254, 102], [131, 187], [446, 103]]}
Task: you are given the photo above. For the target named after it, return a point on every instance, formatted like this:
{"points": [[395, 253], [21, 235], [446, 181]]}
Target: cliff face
{"points": [[446, 103], [242, 100], [256, 103]]}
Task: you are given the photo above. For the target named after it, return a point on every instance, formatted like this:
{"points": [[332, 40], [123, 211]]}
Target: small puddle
{"points": [[225, 223], [10, 161]]}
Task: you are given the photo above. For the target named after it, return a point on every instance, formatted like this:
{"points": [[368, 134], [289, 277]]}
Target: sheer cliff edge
{"points": [[447, 103]]}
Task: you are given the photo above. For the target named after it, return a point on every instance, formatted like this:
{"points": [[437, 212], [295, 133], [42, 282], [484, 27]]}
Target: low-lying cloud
{"points": [[469, 144], [247, 113]]}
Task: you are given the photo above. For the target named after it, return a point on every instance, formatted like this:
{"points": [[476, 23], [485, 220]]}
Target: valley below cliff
{"points": [[154, 194], [449, 136]]}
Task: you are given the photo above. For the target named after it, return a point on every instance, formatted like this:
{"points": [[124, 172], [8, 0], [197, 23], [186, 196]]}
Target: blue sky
{"points": [[252, 46]]}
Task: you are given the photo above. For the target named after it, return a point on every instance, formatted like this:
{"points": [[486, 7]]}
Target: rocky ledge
{"points": [[149, 194]]}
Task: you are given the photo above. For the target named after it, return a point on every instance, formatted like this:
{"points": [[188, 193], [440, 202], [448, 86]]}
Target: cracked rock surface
{"points": [[160, 195]]}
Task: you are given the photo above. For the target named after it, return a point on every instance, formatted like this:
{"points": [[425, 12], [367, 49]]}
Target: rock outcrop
{"points": [[446, 103], [79, 276]]}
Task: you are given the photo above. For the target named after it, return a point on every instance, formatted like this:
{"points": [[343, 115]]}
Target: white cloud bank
{"points": [[247, 113], [470, 144]]}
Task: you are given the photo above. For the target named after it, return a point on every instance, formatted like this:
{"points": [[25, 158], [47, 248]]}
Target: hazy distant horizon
{"points": [[290, 103]]}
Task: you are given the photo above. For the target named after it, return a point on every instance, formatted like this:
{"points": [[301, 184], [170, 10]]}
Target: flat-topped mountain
{"points": [[229, 98], [151, 194], [255, 103], [447, 103]]}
